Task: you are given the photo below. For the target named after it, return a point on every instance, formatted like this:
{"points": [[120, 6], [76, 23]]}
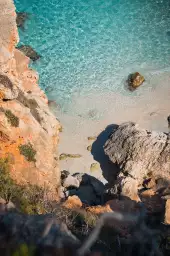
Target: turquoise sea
{"points": [[92, 45]]}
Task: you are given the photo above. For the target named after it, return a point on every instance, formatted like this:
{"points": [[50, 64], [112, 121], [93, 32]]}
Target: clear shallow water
{"points": [[92, 45]]}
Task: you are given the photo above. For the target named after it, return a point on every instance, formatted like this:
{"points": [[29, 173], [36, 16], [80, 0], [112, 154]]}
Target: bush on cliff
{"points": [[28, 151], [28, 199]]}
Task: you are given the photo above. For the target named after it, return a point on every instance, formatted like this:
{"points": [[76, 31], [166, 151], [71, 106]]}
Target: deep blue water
{"points": [[94, 44]]}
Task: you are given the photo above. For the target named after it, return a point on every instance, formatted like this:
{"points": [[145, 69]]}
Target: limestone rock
{"points": [[152, 201], [149, 183], [167, 212], [21, 18], [140, 154], [64, 174], [29, 52], [90, 190], [73, 202], [71, 181], [135, 80], [20, 93], [8, 90]]}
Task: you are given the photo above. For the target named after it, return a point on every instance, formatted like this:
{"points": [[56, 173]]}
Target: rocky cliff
{"points": [[28, 130]]}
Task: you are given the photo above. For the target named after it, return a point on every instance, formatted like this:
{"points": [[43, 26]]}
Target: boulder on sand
{"points": [[140, 154]]}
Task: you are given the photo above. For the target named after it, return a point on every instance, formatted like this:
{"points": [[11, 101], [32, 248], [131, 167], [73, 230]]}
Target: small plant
{"points": [[12, 119], [28, 198], [28, 151]]}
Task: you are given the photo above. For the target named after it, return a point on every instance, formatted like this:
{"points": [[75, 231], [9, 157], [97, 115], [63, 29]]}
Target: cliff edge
{"points": [[29, 132]]}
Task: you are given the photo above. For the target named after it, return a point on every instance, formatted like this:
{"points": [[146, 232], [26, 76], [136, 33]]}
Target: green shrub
{"points": [[28, 151], [28, 199], [12, 119]]}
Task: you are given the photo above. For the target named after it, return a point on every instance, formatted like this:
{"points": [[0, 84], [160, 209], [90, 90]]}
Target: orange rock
{"points": [[167, 212], [73, 202], [37, 125], [99, 209]]}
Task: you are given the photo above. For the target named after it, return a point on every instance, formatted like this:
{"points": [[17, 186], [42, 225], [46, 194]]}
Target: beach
{"points": [[148, 106]]}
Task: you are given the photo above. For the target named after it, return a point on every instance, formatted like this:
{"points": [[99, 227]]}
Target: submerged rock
{"points": [[92, 138], [94, 167], [21, 18], [140, 154], [135, 80], [29, 52], [64, 156]]}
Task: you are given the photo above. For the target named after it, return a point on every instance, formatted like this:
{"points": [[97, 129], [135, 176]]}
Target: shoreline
{"points": [[149, 107]]}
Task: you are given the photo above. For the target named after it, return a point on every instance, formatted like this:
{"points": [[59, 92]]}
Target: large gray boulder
{"points": [[140, 154]]}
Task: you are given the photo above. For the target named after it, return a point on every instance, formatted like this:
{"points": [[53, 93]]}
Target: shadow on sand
{"points": [[109, 169]]}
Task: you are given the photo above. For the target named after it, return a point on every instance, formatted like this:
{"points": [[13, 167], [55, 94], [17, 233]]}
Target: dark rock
{"points": [[64, 174], [21, 18], [90, 190], [135, 80], [86, 195], [140, 154], [168, 119], [29, 52], [8, 89], [71, 182]]}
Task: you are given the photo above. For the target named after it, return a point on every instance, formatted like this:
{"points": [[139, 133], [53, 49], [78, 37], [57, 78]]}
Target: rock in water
{"points": [[29, 52], [135, 80], [140, 154], [21, 18]]}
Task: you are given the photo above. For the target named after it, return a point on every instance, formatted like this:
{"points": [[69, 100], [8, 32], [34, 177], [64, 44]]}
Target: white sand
{"points": [[149, 106]]}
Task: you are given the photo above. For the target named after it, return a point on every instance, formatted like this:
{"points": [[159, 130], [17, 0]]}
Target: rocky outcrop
{"points": [[21, 18], [29, 52], [135, 80], [140, 154], [28, 130], [86, 187]]}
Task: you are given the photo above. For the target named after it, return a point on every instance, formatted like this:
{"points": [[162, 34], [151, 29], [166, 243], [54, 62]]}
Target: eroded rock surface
{"points": [[140, 154], [25, 120]]}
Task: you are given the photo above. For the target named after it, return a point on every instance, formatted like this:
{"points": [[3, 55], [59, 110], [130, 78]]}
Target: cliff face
{"points": [[28, 130]]}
